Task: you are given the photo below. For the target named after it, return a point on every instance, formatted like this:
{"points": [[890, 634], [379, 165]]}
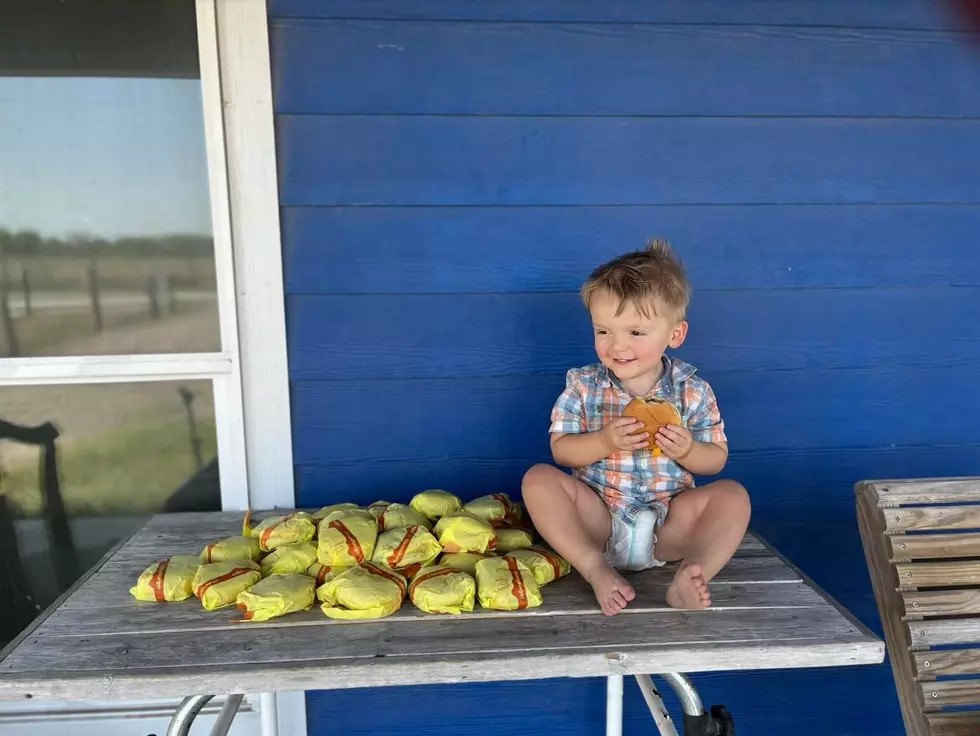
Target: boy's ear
{"points": [[678, 335]]}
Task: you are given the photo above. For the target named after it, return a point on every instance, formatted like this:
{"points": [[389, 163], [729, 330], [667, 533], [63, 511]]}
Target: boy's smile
{"points": [[632, 344]]}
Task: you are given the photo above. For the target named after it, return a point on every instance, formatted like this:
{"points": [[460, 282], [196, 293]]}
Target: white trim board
{"points": [[246, 86], [250, 147]]}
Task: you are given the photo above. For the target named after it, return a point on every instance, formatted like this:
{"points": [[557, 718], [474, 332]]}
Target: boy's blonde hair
{"points": [[647, 279]]}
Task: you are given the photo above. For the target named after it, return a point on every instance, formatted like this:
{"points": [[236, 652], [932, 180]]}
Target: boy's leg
{"points": [[576, 523], [704, 527]]}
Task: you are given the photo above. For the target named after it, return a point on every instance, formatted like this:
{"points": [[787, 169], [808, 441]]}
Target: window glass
{"points": [[105, 224], [81, 466]]}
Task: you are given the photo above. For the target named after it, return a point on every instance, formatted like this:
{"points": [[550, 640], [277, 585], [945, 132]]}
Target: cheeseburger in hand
{"points": [[653, 413]]}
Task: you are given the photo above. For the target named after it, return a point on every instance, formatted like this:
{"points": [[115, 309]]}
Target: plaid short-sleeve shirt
{"points": [[593, 397]]}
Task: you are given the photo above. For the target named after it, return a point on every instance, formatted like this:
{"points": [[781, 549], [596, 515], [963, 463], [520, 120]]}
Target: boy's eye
{"points": [[600, 332], [637, 333]]}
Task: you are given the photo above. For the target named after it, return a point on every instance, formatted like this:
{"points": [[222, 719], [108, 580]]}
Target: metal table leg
{"points": [[696, 721], [190, 708], [180, 724], [228, 712], [665, 726], [614, 705]]}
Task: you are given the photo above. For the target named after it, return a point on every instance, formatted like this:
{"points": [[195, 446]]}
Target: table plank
{"points": [[101, 643], [110, 587], [314, 674], [568, 597], [482, 649]]}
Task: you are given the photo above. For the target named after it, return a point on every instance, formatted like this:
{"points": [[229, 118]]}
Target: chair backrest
{"points": [[921, 540]]}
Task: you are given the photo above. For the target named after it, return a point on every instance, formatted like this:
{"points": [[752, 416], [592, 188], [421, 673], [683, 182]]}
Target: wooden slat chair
{"points": [[921, 540]]}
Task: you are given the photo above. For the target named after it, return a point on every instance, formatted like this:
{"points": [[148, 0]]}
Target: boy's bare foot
{"points": [[688, 589], [611, 590]]}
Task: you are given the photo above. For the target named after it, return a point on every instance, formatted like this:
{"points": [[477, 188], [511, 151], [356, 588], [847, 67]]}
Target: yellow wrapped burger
{"points": [[400, 516], [320, 573], [402, 549], [465, 561], [232, 548], [460, 531], [289, 558], [545, 564], [510, 538], [497, 507], [275, 596], [435, 503], [327, 510], [377, 507], [346, 542], [362, 592], [167, 580], [345, 514], [279, 530], [506, 584], [442, 589], [218, 584]]}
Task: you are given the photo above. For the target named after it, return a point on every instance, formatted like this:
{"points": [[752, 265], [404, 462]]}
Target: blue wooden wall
{"points": [[451, 170]]}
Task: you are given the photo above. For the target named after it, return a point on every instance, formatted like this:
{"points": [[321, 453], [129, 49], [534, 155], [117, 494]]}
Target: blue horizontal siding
{"points": [[914, 14], [434, 160], [543, 249], [395, 419], [402, 336], [449, 173], [588, 69]]}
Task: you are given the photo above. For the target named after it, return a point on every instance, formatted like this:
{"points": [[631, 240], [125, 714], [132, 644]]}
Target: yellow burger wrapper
{"points": [[400, 516], [465, 561], [377, 507], [407, 550], [496, 507], [320, 573], [289, 558], [443, 589], [167, 580], [510, 538], [362, 592], [545, 564], [279, 530], [506, 584], [275, 596], [346, 542], [345, 514], [218, 584], [232, 548], [327, 510], [435, 503], [460, 531]]}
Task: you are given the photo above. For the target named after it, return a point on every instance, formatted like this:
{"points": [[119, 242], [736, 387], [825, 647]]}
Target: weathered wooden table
{"points": [[97, 642]]}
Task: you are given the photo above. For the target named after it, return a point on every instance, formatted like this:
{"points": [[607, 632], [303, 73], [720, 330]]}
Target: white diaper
{"points": [[633, 541]]}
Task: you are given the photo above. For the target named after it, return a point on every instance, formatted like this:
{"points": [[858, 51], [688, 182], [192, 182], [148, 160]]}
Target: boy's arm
{"points": [[699, 458], [578, 450], [573, 445], [701, 447], [584, 448]]}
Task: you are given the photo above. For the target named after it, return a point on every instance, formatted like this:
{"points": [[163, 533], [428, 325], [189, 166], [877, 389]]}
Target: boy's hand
{"points": [[624, 433], [674, 440]]}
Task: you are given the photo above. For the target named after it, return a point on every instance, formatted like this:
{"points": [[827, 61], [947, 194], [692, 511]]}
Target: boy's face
{"points": [[630, 344]]}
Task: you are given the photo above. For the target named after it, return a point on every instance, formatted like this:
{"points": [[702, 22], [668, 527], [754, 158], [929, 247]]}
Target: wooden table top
{"points": [[98, 642]]}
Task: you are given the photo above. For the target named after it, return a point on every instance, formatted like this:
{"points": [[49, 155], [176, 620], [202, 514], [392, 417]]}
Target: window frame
{"points": [[249, 374]]}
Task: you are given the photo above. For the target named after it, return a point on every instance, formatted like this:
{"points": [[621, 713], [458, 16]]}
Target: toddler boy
{"points": [[623, 506]]}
